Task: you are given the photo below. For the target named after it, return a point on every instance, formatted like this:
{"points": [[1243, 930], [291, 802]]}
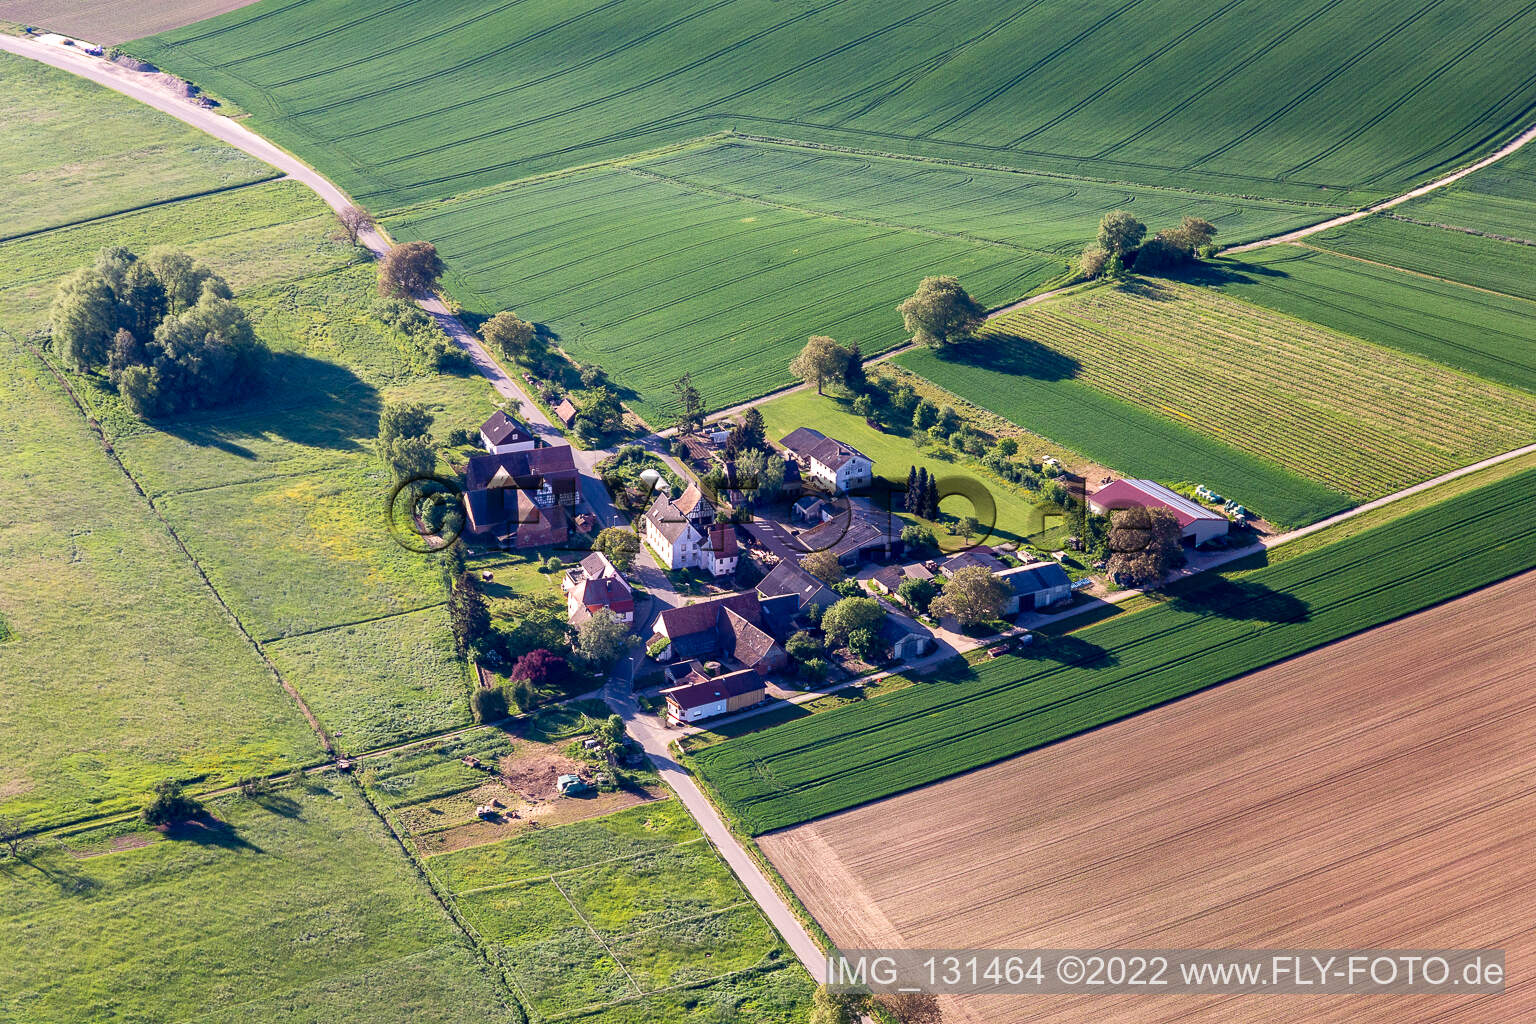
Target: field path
{"points": [[1450, 179]]}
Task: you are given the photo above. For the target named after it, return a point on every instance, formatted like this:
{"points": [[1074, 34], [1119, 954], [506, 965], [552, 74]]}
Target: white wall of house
{"points": [[509, 448], [693, 714], [854, 473]]}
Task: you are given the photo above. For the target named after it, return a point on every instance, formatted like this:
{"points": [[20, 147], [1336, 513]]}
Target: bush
{"points": [[1091, 263], [814, 669], [522, 696], [463, 435], [864, 643], [543, 668], [170, 805], [802, 646], [489, 703]]}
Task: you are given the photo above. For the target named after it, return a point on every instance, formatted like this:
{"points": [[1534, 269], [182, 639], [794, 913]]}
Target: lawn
{"points": [[302, 908], [494, 92], [1505, 267], [1476, 332], [74, 151], [647, 277], [1017, 514], [1358, 418], [616, 908], [122, 668], [1213, 627]]}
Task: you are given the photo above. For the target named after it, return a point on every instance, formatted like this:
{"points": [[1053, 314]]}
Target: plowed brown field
{"points": [[109, 22], [1377, 793]]}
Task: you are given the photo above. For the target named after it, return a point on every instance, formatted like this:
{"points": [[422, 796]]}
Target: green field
{"points": [[1497, 200], [1212, 628], [1488, 263], [1125, 437], [617, 909], [1489, 335], [411, 101], [303, 908], [623, 267], [74, 151], [1359, 418]]}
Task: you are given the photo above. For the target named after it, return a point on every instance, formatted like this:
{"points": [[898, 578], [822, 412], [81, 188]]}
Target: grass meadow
{"points": [[74, 151], [301, 907], [1211, 628], [633, 909], [1508, 268], [494, 92]]}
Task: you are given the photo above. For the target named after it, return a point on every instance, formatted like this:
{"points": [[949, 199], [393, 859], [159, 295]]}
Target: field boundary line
{"points": [[550, 876], [596, 935], [106, 446], [1508, 149], [1313, 247], [1058, 175], [1458, 228], [140, 208], [359, 622], [717, 190]]}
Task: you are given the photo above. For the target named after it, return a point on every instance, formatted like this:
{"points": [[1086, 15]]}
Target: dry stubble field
{"points": [[1375, 793]]}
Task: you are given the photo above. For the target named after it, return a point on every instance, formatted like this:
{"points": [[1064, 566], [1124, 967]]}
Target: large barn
{"points": [[1199, 524]]}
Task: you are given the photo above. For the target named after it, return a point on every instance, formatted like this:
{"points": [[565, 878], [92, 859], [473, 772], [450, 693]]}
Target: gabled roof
{"points": [[691, 500], [747, 643], [801, 440], [565, 411], [732, 684], [502, 429], [555, 460], [789, 578], [721, 540], [519, 469], [1124, 493], [703, 616], [971, 559], [670, 521], [893, 576], [608, 592], [1031, 579]]}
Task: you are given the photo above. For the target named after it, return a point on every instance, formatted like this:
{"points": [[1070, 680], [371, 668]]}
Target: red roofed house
{"points": [[594, 584], [700, 697], [1199, 523], [738, 626], [519, 499]]}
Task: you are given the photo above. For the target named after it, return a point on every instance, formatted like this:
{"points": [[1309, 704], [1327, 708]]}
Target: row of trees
{"points": [[1120, 245], [165, 329]]}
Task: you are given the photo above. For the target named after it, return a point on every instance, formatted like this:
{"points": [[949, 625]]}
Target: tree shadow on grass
{"points": [[1240, 599], [1224, 271], [1072, 651], [206, 830], [306, 401], [1014, 354], [280, 804], [57, 870]]}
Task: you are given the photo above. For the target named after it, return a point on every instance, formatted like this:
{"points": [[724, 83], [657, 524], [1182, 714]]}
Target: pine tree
{"points": [[931, 504], [853, 374], [908, 500]]}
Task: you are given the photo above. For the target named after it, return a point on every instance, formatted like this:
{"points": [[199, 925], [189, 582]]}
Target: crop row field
{"points": [[408, 101], [1498, 200], [1359, 418], [649, 278], [288, 909], [1033, 211], [1492, 264], [1377, 788], [614, 914], [1476, 332], [75, 151], [1212, 628]]}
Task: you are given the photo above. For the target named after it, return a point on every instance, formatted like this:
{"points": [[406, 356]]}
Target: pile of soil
{"points": [[534, 776]]}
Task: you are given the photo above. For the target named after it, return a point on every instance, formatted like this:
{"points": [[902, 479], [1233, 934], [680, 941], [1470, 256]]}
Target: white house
{"points": [[700, 697], [502, 435], [684, 535], [833, 464], [592, 585]]}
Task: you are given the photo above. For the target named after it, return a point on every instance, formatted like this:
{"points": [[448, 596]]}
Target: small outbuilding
{"points": [[708, 698], [1034, 587]]}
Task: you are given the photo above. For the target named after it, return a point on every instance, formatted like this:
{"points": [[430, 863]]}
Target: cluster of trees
{"points": [[941, 312], [405, 442], [1120, 245], [824, 361], [620, 545], [1143, 544], [419, 338], [410, 270], [922, 497], [165, 328]]}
